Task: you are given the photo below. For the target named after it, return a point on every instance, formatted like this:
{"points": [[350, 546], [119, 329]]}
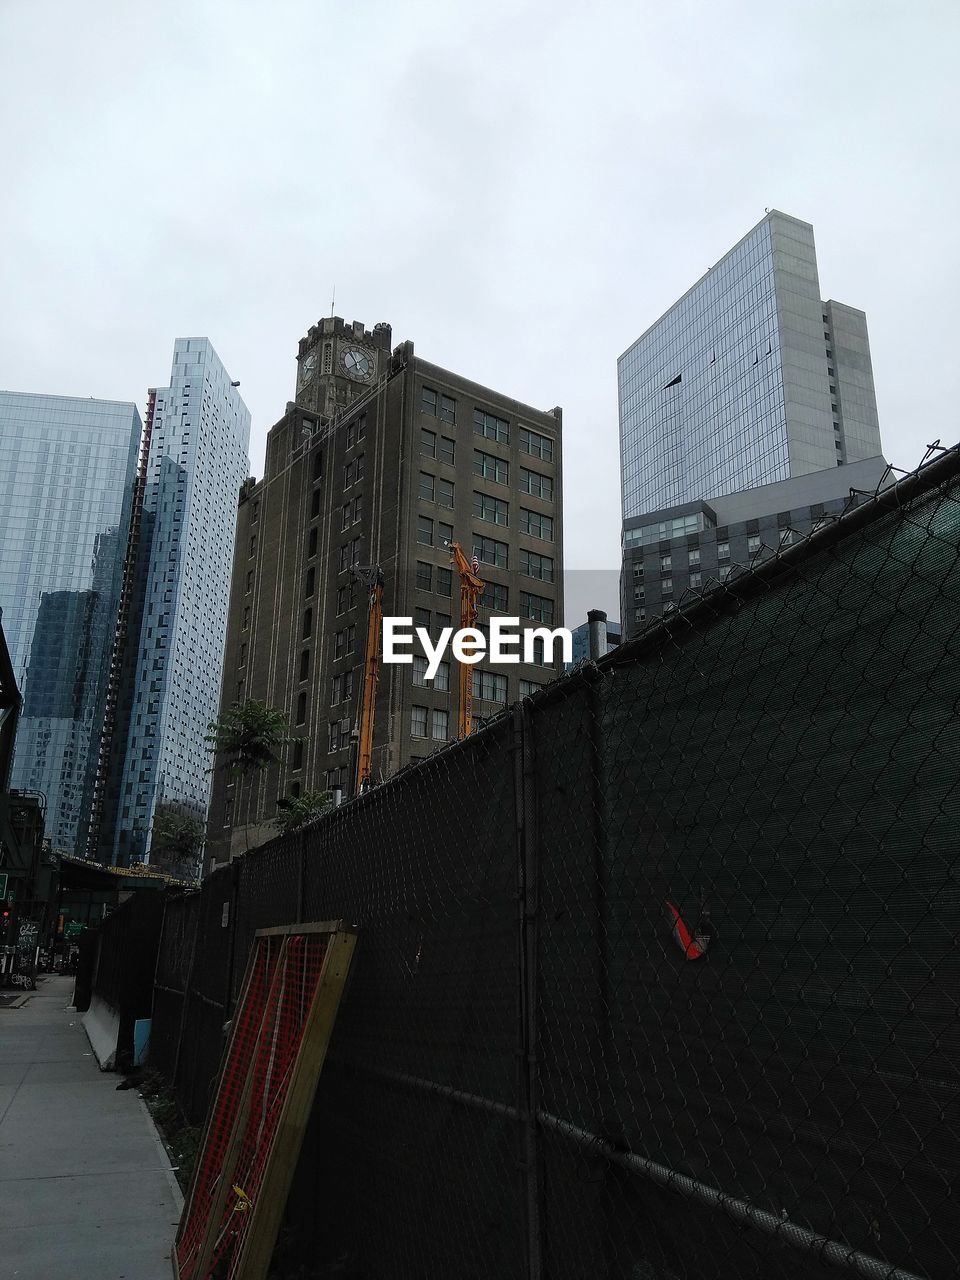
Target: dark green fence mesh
{"points": [[657, 975]]}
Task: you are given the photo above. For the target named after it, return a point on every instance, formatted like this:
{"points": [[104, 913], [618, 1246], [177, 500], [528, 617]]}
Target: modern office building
{"points": [[168, 685], [692, 546], [748, 379], [66, 478], [382, 460]]}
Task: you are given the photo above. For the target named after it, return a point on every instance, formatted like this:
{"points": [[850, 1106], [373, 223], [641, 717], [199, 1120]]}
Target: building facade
{"points": [[690, 547], [381, 462], [169, 686], [66, 476], [748, 379]]}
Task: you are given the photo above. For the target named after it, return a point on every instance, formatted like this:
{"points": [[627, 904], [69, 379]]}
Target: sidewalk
{"points": [[86, 1190]]}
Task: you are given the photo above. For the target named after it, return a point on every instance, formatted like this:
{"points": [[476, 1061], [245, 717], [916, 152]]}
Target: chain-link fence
{"points": [[657, 975]]}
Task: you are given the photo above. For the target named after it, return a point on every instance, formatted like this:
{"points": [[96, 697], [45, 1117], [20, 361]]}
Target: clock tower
{"points": [[337, 361]]}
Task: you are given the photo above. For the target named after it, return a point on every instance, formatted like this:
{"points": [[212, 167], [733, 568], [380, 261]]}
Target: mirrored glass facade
{"points": [[171, 685], [748, 379], [66, 478]]}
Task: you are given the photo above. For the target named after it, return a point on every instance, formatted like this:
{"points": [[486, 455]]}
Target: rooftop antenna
{"points": [[333, 301]]}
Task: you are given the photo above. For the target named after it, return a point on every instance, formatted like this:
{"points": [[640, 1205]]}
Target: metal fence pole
{"points": [[527, 960]]}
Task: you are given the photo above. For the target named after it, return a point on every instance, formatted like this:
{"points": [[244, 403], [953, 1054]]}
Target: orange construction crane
{"points": [[373, 580], [471, 589]]}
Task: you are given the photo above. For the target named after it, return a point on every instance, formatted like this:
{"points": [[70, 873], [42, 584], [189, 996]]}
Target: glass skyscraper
{"points": [[170, 682], [66, 478], [748, 379]]}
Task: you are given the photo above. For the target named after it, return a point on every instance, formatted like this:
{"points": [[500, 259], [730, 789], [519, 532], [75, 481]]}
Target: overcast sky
{"points": [[520, 188]]}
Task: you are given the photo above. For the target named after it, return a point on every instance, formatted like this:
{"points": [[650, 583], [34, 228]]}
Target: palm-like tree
{"points": [[248, 739]]}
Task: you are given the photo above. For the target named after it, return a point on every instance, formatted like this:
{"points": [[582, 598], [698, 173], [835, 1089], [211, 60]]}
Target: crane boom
{"points": [[471, 589], [371, 675]]}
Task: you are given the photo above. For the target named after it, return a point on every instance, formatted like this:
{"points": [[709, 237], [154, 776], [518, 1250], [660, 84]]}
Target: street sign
{"points": [[3, 886]]}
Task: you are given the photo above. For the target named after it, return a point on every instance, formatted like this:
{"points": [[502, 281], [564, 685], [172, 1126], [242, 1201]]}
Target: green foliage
{"points": [[177, 836], [249, 737], [295, 811]]}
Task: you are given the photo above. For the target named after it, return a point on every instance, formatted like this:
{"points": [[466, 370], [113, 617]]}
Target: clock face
{"points": [[357, 363], [307, 366]]}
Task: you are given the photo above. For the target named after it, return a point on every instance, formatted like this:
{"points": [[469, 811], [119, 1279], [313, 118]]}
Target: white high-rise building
{"points": [[170, 688]]}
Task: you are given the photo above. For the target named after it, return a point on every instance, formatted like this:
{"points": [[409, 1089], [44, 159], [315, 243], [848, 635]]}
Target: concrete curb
{"points": [[164, 1155]]}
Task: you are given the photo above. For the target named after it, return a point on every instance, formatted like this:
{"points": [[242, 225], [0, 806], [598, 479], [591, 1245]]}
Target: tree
{"points": [[297, 811], [177, 839], [248, 738]]}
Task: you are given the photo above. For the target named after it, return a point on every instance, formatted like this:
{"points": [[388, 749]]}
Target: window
{"points": [[438, 405], [428, 443], [725, 572], [296, 755], [528, 687], [318, 465], [418, 722], [335, 779], [666, 564], [253, 540], [310, 585], [305, 664], [445, 492], [638, 569], [537, 607], [495, 596], [427, 490], [444, 534], [486, 507], [349, 474], [446, 449], [491, 468], [315, 504], [441, 681], [639, 615], [249, 579], [696, 579], [424, 576], [491, 427], [301, 708], [338, 735], [438, 725], [535, 484], [490, 686], [666, 586], [753, 544], [312, 543], [336, 690], [440, 620], [786, 537], [346, 597], [723, 550], [536, 525], [639, 593], [246, 616], [444, 582], [489, 551], [535, 565], [425, 531], [360, 466], [345, 516], [421, 618], [343, 641], [536, 445]]}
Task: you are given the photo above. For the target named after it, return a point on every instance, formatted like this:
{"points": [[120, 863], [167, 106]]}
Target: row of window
{"points": [[488, 425], [497, 469]]}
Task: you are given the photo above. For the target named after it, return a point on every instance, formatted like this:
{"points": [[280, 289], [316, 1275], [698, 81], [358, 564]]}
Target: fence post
{"points": [[527, 962], [232, 941]]}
